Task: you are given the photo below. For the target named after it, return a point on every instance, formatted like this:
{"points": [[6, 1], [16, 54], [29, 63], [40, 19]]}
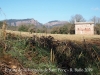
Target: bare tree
{"points": [[78, 18], [96, 20]]}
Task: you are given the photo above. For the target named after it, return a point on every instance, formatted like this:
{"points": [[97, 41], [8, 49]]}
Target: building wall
{"points": [[84, 28]]}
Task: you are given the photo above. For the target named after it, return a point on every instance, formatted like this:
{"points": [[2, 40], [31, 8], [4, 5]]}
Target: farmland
{"points": [[57, 36], [51, 54]]}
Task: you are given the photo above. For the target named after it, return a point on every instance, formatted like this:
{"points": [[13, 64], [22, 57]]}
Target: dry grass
{"points": [[71, 50], [57, 36], [4, 27], [0, 33]]}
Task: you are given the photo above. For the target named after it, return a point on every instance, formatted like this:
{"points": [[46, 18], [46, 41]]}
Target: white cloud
{"points": [[96, 8]]}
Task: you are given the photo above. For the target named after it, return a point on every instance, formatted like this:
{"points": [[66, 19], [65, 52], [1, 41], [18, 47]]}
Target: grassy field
{"points": [[57, 36]]}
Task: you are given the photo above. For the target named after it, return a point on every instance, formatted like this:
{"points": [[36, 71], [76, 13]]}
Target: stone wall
{"points": [[84, 28]]}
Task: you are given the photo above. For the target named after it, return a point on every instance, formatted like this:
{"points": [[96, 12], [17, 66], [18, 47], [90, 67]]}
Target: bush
{"points": [[23, 28], [1, 23]]}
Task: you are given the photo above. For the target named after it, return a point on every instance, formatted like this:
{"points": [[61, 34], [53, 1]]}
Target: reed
{"points": [[4, 27]]}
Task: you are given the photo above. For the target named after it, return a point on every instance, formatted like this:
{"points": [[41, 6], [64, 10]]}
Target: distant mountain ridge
{"points": [[17, 22], [55, 23]]}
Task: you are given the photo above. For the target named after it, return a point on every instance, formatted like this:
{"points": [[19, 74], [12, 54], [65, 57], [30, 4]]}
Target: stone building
{"points": [[84, 28]]}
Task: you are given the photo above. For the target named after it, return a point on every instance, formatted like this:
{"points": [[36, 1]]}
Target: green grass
{"points": [[18, 49], [75, 55]]}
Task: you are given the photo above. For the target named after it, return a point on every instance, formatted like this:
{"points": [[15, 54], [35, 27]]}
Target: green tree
{"points": [[63, 30], [97, 29], [44, 29], [38, 31], [55, 30], [32, 30], [68, 28], [23, 28], [72, 29]]}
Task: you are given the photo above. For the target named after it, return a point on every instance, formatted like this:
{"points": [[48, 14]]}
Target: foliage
{"points": [[23, 28], [14, 28], [44, 29], [55, 30], [65, 29], [75, 55], [1, 23], [34, 53], [72, 29], [38, 31], [30, 55], [97, 29]]}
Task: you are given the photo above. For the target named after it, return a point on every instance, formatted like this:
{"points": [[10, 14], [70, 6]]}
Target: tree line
{"points": [[68, 28]]}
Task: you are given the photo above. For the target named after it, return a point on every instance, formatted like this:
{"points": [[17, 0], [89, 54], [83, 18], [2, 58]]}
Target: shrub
{"points": [[23, 28]]}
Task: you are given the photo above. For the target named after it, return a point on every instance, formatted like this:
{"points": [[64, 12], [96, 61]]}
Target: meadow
{"points": [[57, 36]]}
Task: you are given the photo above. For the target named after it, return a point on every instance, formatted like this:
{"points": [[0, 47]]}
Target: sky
{"points": [[48, 10]]}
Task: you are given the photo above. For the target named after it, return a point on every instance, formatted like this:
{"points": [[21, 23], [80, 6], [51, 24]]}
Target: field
{"points": [[57, 36], [50, 54]]}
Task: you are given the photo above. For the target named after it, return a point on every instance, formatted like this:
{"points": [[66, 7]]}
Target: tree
{"points": [[32, 30], [44, 29], [96, 20], [55, 30], [97, 29], [1, 23], [63, 29], [38, 31], [23, 28], [72, 29], [78, 18], [68, 28]]}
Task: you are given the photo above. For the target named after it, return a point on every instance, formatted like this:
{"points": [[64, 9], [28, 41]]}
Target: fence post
{"points": [[51, 55]]}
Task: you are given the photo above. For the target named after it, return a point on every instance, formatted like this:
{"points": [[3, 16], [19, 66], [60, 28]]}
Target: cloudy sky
{"points": [[48, 10]]}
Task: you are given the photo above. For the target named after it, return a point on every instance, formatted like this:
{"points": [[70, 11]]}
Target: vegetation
{"points": [[65, 29], [43, 54], [71, 57], [97, 29], [68, 28], [56, 36], [1, 23], [23, 28], [77, 18]]}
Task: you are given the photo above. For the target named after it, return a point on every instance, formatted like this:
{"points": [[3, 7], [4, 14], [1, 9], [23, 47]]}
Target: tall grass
{"points": [[57, 36], [69, 55], [34, 58], [4, 27], [3, 37]]}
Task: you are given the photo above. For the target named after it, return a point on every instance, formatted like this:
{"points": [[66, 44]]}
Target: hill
{"points": [[17, 22], [55, 23]]}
